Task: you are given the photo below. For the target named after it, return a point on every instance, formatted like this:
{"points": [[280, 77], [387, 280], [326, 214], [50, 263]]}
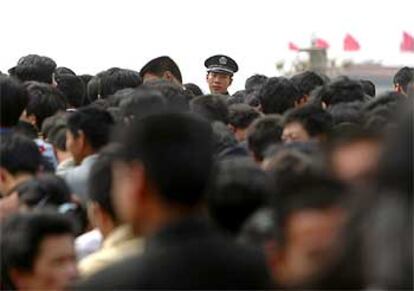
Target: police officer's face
{"points": [[218, 82]]}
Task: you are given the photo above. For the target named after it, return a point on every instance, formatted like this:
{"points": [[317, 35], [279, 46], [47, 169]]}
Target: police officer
{"points": [[220, 70]]}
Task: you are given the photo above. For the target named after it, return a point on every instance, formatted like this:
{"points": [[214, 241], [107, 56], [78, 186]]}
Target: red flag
{"points": [[407, 45], [321, 43], [293, 47], [351, 44]]}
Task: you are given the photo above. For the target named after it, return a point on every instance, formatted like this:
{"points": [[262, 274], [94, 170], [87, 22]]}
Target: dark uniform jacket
{"points": [[186, 255]]}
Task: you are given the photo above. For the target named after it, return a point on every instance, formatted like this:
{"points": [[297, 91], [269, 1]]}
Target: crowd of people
{"points": [[136, 180]]}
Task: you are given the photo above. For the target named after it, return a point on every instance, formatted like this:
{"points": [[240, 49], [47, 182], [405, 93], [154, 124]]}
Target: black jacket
{"points": [[186, 255]]}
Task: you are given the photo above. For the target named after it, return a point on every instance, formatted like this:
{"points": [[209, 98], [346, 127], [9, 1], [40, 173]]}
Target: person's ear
{"points": [[397, 88], [231, 80], [273, 256], [20, 279], [81, 139]]}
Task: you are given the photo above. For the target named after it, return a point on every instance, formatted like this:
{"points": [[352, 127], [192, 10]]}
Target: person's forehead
{"points": [[220, 74], [54, 245]]}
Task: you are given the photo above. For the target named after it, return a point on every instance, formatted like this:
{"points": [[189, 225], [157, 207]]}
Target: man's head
{"points": [[239, 187], [44, 101], [306, 82], [368, 87], [240, 118], [88, 130], [404, 80], [308, 218], [164, 169], [161, 68], [263, 133], [140, 103], [339, 90], [20, 160], [305, 123], [211, 107], [278, 95], [220, 70], [175, 96], [115, 79], [13, 98], [72, 88], [34, 68], [37, 252], [101, 206]]}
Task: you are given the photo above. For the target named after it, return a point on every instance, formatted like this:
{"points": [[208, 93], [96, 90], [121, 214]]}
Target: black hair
{"points": [[159, 66], [368, 87], [211, 107], [44, 190], [44, 101], [342, 89], [307, 81], [239, 188], [255, 82], [225, 143], [120, 95], [403, 77], [237, 98], [21, 238], [176, 97], [194, 89], [173, 147], [349, 112], [278, 95], [141, 103], [262, 133], [19, 154], [115, 79], [315, 120], [298, 184], [34, 68], [95, 123], [72, 88], [14, 99], [93, 88], [100, 180], [63, 71], [242, 115]]}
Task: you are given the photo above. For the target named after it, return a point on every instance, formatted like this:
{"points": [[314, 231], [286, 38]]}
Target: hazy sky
{"points": [[90, 35]]}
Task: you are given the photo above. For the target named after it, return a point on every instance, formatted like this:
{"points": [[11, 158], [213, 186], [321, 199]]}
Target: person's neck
{"points": [[164, 215], [88, 151]]}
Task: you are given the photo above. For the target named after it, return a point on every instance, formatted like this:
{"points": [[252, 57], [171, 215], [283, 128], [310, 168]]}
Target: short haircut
{"points": [[142, 103], [194, 89], [44, 101], [368, 87], [165, 144], [115, 79], [242, 115], [19, 154], [43, 191], [347, 112], [403, 77], [300, 185], [21, 237], [13, 98], [262, 133], [278, 95], [72, 88], [93, 89], [34, 68], [175, 96], [255, 82], [238, 189], [95, 123], [159, 66], [315, 120], [307, 81], [64, 71], [342, 89], [225, 143], [211, 107], [100, 180]]}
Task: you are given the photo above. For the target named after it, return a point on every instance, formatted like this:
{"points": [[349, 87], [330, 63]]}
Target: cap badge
{"points": [[223, 61]]}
